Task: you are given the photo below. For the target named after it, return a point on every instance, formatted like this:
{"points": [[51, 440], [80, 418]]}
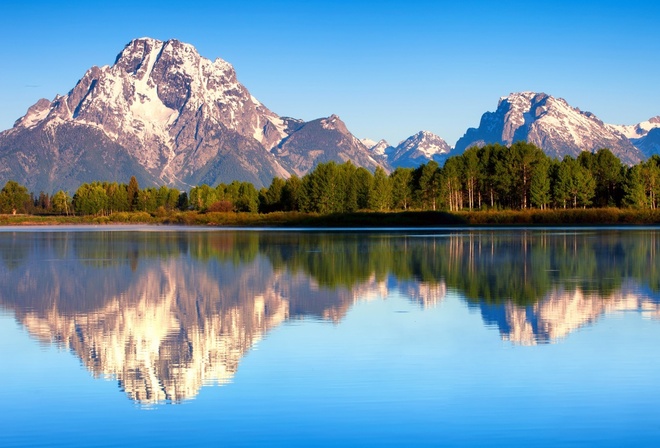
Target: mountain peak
{"points": [[550, 123], [381, 149], [334, 122], [418, 149]]}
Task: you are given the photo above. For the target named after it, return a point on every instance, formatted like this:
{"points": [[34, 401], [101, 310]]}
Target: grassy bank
{"points": [[605, 216]]}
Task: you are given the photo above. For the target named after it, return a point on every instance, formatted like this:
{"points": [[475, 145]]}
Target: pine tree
{"points": [[132, 193]]}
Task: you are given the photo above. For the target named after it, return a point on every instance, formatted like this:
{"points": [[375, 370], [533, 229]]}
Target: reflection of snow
{"points": [[562, 312], [151, 342]]}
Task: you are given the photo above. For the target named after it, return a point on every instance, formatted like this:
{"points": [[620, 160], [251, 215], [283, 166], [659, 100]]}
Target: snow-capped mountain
{"points": [[419, 149], [379, 150], [368, 142], [411, 152], [160, 112], [645, 135], [550, 123], [639, 130]]}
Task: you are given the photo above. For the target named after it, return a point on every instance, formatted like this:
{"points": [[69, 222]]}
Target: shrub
{"points": [[220, 207]]}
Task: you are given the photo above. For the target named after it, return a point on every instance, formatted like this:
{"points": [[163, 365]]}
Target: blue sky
{"points": [[387, 68]]}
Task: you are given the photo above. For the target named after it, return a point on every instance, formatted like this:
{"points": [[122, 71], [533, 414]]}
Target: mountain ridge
{"points": [[172, 117], [169, 116], [551, 124]]}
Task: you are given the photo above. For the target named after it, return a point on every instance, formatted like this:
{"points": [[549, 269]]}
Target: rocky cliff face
{"points": [[163, 113], [320, 141], [551, 124]]}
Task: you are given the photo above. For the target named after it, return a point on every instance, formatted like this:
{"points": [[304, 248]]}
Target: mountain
{"points": [[639, 130], [168, 116], [650, 143], [379, 150], [419, 149], [645, 135], [411, 152], [320, 141], [550, 123]]}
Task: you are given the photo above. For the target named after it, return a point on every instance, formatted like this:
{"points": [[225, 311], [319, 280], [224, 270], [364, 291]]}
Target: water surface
{"points": [[162, 337]]}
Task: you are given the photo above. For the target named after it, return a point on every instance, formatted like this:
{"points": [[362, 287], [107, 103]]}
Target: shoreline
{"points": [[403, 219]]}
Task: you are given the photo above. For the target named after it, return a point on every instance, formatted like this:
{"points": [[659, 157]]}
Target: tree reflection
{"points": [[165, 312]]}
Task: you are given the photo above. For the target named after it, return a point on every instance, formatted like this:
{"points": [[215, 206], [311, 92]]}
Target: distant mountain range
{"points": [[168, 116], [557, 128]]}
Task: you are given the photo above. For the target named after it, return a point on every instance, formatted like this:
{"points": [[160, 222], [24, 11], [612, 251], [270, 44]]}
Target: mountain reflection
{"points": [[167, 312]]}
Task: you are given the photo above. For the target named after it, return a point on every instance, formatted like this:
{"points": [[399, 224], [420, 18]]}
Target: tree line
{"points": [[517, 177], [484, 266]]}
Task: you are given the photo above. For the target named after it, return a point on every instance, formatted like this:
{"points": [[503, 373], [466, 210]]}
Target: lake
{"points": [[167, 336]]}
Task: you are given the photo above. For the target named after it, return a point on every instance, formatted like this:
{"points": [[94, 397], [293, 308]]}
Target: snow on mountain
{"points": [[550, 123], [381, 148], [639, 130], [169, 116], [160, 112], [369, 143], [419, 149]]}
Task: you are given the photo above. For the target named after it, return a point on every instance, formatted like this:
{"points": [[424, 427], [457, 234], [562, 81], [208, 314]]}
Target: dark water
{"points": [[187, 337]]}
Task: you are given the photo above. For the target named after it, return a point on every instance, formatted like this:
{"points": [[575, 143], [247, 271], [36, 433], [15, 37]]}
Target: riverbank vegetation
{"points": [[491, 185]]}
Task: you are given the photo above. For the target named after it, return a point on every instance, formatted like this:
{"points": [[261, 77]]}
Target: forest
{"points": [[493, 177]]}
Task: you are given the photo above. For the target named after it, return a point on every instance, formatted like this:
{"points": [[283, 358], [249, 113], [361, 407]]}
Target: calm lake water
{"points": [[190, 337]]}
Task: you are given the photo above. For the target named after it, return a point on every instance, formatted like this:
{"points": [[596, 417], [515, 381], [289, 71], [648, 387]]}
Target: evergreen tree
{"points": [[504, 178], [132, 193], [271, 200], [607, 170], [183, 203]]}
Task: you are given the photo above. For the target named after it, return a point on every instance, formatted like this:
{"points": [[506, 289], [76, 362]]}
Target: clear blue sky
{"points": [[387, 68]]}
